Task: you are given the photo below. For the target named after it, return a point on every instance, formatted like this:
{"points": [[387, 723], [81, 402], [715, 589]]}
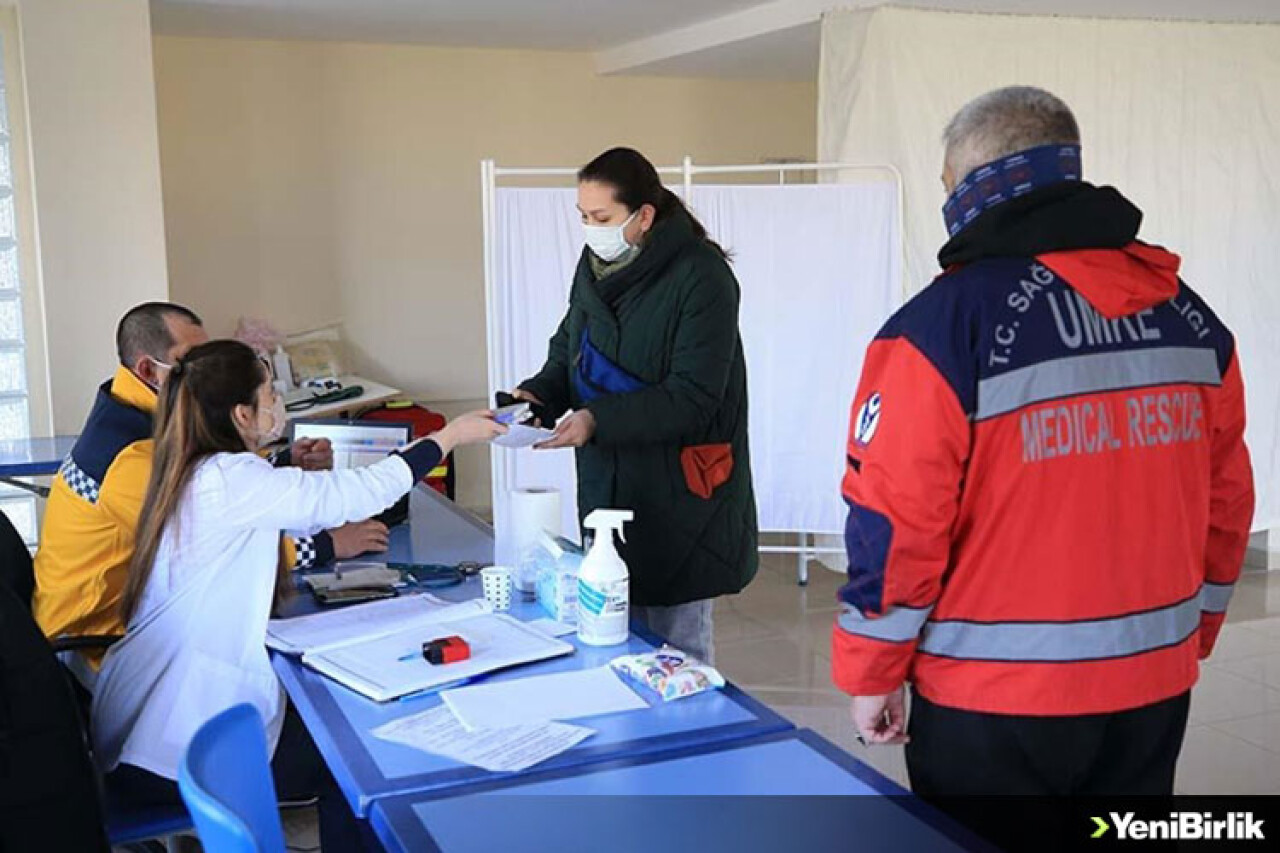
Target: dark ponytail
{"points": [[635, 183]]}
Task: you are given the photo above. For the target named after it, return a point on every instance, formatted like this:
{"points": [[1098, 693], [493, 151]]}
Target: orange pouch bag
{"points": [[706, 467]]}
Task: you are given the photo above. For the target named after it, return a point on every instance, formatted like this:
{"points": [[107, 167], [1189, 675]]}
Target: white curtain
{"points": [[820, 269], [537, 240], [1184, 118]]}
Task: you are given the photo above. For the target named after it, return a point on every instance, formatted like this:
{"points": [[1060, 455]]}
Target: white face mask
{"points": [[608, 241], [158, 363], [279, 420]]}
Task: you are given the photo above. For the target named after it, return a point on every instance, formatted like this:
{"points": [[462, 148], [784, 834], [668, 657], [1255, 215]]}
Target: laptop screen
{"points": [[355, 443]]}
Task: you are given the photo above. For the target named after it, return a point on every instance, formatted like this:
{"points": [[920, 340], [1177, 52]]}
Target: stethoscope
{"points": [[435, 575]]}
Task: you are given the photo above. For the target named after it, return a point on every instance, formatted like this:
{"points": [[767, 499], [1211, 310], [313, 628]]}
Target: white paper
{"points": [[551, 627], [499, 750], [392, 665], [333, 628], [559, 696], [519, 436]]}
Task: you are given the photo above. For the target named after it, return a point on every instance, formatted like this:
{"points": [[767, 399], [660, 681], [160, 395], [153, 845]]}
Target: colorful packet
{"points": [[669, 672]]}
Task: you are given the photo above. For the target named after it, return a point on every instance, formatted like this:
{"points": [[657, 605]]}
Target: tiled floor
{"points": [[773, 640]]}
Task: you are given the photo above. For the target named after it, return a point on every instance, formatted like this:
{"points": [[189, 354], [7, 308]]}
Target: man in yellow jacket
{"points": [[91, 517]]}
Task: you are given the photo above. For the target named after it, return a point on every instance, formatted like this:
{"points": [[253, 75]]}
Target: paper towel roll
{"points": [[530, 511]]}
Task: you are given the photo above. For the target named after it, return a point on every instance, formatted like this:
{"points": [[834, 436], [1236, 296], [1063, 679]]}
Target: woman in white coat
{"points": [[207, 571]]}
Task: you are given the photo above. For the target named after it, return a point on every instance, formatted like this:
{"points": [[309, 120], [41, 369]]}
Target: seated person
{"points": [[205, 573], [92, 514]]}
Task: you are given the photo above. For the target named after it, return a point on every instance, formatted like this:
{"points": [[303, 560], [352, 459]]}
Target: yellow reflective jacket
{"points": [[90, 521]]}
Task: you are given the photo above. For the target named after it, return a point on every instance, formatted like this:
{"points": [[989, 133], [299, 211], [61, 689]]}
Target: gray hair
{"points": [[1003, 122]]}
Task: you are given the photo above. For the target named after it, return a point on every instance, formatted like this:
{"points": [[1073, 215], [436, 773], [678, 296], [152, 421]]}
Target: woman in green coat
{"points": [[649, 362]]}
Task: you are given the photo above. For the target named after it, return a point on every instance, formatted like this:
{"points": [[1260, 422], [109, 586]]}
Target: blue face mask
{"points": [[1010, 177]]}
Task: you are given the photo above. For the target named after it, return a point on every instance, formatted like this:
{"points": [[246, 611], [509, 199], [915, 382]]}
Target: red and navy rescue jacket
{"points": [[1049, 490]]}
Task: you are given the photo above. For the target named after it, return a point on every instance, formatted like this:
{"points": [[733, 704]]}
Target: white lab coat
{"points": [[195, 647]]}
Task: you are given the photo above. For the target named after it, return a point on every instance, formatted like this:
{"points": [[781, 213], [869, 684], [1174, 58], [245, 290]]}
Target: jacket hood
{"points": [[1119, 282], [1085, 234]]}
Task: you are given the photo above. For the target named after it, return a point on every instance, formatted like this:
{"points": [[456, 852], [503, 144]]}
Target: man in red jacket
{"points": [[1049, 489]]}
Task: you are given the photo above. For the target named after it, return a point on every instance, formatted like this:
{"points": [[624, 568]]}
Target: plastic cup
{"points": [[496, 583]]}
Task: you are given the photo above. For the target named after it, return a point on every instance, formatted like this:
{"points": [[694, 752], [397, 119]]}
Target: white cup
{"points": [[496, 582]]}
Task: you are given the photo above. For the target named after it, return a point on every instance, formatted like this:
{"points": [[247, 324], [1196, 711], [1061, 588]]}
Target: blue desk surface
{"points": [[792, 789], [34, 457], [366, 767]]}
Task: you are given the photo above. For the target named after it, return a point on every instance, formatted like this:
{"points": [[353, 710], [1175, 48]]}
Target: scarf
{"points": [[1010, 177]]}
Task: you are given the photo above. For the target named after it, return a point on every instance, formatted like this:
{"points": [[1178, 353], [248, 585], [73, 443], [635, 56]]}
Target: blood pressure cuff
{"points": [[595, 376]]}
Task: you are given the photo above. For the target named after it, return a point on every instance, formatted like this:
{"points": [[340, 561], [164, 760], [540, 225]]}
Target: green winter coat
{"points": [[670, 320]]}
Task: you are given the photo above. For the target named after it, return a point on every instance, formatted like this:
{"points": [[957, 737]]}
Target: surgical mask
{"points": [[279, 419], [608, 241]]}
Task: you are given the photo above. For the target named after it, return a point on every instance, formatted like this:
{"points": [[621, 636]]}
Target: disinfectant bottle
{"points": [[283, 369], [603, 587]]}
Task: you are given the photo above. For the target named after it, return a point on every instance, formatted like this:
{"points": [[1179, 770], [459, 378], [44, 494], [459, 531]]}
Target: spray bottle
{"points": [[604, 596], [283, 369]]}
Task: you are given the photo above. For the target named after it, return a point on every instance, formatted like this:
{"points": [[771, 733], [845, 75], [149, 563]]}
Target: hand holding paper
{"points": [[574, 431], [520, 436]]}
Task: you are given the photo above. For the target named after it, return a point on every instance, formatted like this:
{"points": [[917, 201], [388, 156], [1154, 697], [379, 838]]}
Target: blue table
{"points": [[786, 791], [366, 767], [33, 457]]}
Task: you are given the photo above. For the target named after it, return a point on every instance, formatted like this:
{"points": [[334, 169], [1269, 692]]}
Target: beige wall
{"points": [[310, 182], [95, 165]]}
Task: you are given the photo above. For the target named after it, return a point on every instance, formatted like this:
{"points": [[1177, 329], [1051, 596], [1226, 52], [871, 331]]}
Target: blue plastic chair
{"points": [[225, 780]]}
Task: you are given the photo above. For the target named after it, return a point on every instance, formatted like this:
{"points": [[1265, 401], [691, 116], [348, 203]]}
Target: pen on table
{"points": [[418, 694], [461, 682]]}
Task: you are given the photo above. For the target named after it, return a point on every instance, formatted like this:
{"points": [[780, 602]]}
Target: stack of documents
{"points": [[506, 726], [376, 648], [333, 628], [499, 750], [513, 725]]}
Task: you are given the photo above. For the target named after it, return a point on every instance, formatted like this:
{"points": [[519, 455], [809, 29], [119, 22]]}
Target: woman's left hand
{"points": [[574, 431]]}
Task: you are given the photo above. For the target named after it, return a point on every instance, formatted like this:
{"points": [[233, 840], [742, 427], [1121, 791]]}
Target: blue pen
{"points": [[461, 682]]}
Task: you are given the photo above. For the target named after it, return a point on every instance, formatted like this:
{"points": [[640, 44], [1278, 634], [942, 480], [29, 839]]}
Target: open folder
{"points": [[376, 648]]}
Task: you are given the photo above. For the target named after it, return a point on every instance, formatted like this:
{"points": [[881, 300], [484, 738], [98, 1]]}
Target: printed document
{"points": [[391, 665], [499, 750], [331, 629]]}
